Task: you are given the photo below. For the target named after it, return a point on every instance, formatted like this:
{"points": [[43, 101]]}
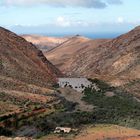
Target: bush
{"points": [[101, 84], [5, 132], [113, 109], [1, 64], [56, 85]]}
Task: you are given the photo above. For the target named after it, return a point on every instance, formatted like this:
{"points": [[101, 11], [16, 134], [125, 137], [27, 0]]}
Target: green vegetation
{"points": [[103, 86], [5, 132], [64, 106], [119, 109], [55, 85], [1, 64]]}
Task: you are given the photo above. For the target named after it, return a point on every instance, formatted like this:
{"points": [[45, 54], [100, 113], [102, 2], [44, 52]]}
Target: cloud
{"points": [[61, 21], [120, 20], [117, 2], [67, 22], [99, 4]]}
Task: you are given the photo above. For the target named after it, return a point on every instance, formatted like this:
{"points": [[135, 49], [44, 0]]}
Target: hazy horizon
{"points": [[88, 35]]}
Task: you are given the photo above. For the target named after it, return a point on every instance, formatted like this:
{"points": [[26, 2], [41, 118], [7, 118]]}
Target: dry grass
{"points": [[101, 132], [27, 95], [6, 107]]}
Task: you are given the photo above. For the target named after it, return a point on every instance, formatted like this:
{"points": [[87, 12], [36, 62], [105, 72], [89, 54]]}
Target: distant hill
{"points": [[44, 43], [66, 53], [116, 61]]}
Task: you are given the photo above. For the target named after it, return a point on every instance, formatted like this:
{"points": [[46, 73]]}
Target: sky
{"points": [[60, 17]]}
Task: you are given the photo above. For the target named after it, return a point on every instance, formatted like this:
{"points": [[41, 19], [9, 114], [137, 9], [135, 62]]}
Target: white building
{"points": [[78, 84], [62, 129]]}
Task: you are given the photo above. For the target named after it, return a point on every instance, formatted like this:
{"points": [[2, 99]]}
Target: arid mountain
{"points": [[22, 62], [26, 80], [29, 108], [45, 43], [116, 61], [63, 55]]}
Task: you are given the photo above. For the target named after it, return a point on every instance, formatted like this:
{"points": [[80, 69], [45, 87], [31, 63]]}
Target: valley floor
{"points": [[42, 110], [100, 132], [74, 96]]}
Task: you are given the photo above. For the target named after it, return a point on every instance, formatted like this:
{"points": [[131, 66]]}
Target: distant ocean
{"points": [[89, 35], [102, 35]]}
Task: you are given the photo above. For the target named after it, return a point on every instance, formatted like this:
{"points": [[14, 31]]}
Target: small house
{"points": [[62, 129]]}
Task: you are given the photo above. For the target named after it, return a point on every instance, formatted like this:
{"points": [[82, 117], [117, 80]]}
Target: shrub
{"points": [[56, 85], [5, 132], [113, 109], [1, 64], [101, 84]]}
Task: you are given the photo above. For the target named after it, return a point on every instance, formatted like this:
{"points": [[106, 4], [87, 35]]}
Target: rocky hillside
{"points": [[22, 62], [26, 79], [116, 61], [45, 43], [63, 55]]}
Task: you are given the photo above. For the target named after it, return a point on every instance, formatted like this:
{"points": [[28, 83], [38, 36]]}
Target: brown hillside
{"points": [[22, 61], [116, 61], [63, 55]]}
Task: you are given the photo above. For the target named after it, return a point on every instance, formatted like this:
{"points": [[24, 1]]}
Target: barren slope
{"points": [[63, 54], [26, 77], [116, 61], [22, 61]]}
